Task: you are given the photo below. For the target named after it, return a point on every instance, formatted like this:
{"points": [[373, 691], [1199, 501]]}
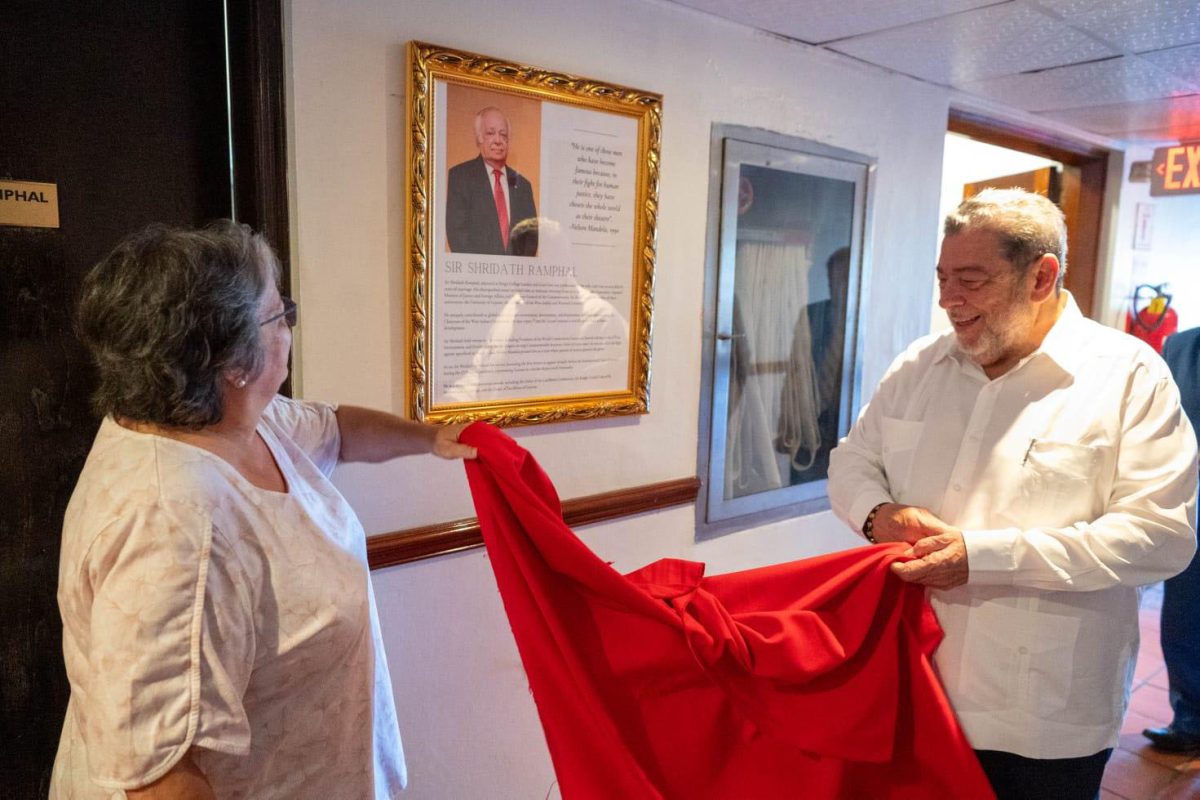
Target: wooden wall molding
{"points": [[415, 544]]}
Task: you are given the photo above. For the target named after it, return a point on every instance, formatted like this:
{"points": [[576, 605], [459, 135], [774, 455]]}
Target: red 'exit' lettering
{"points": [[1176, 166]]}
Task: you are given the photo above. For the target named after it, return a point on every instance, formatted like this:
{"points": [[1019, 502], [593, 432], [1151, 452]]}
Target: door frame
{"points": [[1084, 181], [258, 128]]}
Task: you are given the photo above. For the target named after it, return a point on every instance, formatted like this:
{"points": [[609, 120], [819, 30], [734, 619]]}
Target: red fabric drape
{"points": [[804, 680]]}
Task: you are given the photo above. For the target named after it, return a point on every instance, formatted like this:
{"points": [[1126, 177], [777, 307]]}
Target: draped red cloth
{"points": [[804, 680]]}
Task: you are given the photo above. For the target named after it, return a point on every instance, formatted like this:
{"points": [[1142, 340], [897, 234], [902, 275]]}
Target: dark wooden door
{"points": [[123, 106]]}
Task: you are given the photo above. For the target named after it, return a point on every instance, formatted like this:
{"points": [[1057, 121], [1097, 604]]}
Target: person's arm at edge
{"points": [[184, 781], [373, 436]]}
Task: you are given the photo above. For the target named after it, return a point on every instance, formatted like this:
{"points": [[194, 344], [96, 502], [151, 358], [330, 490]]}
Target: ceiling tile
{"points": [[1167, 114], [983, 43], [1183, 62], [824, 20], [1117, 80], [1134, 25], [1160, 136], [1058, 58]]}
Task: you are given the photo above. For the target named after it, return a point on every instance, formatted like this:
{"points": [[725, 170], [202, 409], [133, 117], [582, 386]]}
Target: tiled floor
{"points": [[1136, 771]]}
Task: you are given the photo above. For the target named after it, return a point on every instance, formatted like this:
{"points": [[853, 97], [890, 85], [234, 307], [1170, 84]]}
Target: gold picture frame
{"points": [[546, 318]]}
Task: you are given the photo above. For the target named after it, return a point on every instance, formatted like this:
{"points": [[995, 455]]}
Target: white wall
{"points": [[466, 714]]}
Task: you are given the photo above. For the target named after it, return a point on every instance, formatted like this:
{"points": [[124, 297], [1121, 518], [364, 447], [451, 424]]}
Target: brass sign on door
{"points": [[29, 204]]}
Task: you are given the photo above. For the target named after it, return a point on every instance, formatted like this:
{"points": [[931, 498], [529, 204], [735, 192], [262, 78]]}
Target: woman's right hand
{"points": [[446, 444]]}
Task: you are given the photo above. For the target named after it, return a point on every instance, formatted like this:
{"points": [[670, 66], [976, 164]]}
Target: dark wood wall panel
{"points": [[123, 105]]}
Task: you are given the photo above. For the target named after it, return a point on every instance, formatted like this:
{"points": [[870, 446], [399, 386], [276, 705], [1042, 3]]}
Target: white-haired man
{"points": [[485, 197], [1042, 469]]}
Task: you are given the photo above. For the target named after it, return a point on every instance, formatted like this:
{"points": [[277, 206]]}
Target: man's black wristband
{"points": [[868, 527]]}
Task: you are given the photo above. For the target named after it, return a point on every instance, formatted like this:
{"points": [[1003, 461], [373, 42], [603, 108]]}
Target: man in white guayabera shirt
{"points": [[1042, 469]]}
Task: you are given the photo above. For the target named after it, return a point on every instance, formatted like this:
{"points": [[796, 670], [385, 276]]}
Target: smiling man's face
{"points": [[987, 299]]}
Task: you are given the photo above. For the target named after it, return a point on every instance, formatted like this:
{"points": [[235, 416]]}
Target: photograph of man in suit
{"points": [[486, 198]]}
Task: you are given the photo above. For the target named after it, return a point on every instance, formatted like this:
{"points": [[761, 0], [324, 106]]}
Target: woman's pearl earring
{"points": [[240, 383]]}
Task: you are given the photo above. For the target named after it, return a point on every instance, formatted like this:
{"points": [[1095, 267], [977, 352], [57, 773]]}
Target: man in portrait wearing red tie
{"points": [[486, 198]]}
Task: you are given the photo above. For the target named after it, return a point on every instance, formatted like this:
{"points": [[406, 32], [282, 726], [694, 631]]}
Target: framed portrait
{"points": [[531, 207]]}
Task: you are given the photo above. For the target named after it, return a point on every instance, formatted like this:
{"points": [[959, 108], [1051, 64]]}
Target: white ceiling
{"points": [[1123, 69]]}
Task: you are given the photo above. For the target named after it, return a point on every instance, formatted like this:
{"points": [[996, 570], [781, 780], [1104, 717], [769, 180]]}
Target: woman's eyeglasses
{"points": [[290, 313]]}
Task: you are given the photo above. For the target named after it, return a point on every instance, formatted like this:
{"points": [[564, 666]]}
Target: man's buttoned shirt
{"points": [[1073, 479]]}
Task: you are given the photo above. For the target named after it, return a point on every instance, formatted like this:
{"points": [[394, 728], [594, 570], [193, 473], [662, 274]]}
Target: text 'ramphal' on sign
{"points": [[1176, 170], [28, 204]]}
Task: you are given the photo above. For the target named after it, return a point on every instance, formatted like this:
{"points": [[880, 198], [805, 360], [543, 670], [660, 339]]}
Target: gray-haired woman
{"points": [[219, 629]]}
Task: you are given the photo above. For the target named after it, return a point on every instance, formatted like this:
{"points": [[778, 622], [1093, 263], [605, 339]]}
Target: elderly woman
{"points": [[219, 629]]}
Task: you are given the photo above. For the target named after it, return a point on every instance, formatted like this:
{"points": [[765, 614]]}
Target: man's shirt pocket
{"points": [[1055, 477]]}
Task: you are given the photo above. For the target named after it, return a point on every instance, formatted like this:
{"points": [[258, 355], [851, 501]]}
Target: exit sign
{"points": [[1176, 170]]}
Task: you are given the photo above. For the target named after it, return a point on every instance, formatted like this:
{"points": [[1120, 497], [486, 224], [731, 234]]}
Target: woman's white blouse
{"points": [[201, 612]]}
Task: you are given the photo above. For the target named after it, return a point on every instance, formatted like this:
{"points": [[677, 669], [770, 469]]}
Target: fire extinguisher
{"points": [[1154, 321]]}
